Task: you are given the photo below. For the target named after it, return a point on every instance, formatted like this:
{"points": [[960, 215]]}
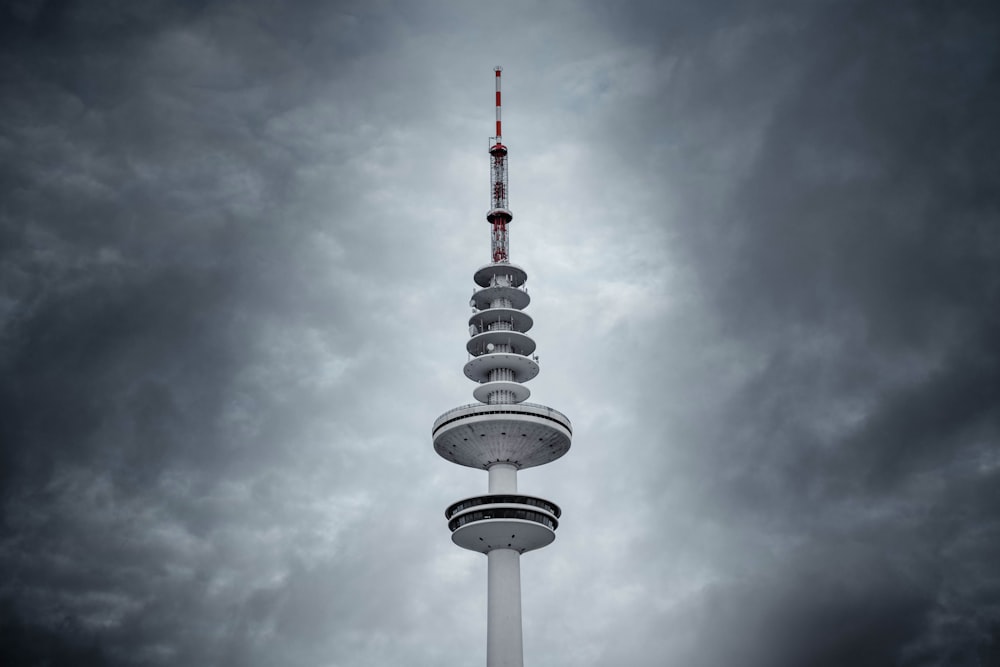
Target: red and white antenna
{"points": [[499, 215], [498, 69]]}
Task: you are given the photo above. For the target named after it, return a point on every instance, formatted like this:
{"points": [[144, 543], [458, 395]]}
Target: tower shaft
{"points": [[503, 478]]}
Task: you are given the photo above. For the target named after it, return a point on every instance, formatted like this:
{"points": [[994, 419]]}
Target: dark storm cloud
{"points": [[152, 256], [131, 254], [841, 214]]}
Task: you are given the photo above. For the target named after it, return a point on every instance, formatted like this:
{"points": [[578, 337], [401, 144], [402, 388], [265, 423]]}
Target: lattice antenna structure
{"points": [[501, 434]]}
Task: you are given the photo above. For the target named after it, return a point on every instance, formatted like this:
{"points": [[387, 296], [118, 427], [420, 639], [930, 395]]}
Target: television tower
{"points": [[501, 433]]}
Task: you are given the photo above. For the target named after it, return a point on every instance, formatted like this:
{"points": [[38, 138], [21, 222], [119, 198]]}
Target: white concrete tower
{"points": [[501, 433]]}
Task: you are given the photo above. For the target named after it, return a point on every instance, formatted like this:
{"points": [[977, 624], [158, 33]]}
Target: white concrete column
{"points": [[503, 478], [503, 620]]}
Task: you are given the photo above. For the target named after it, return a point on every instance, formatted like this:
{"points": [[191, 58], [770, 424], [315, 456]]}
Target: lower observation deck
{"points": [[524, 434], [503, 521], [503, 529]]}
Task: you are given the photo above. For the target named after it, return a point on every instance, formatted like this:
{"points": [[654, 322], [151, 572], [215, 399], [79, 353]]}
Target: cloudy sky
{"points": [[236, 249]]}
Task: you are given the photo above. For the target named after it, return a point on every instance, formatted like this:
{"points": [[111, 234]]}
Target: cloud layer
{"points": [[236, 243]]}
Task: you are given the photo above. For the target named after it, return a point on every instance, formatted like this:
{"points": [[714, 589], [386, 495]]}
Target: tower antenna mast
{"points": [[499, 215]]}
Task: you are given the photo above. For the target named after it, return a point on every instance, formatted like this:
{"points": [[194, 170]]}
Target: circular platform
{"points": [[514, 274], [487, 341], [524, 434], [501, 213], [483, 391], [485, 535], [478, 368], [520, 321], [482, 299]]}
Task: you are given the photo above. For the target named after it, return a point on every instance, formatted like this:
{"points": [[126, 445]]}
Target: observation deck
{"points": [[503, 521], [523, 434]]}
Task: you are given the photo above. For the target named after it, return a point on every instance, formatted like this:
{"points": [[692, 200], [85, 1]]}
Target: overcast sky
{"points": [[236, 248]]}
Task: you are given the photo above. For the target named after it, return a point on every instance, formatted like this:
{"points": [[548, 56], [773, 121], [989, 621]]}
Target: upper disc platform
{"points": [[524, 434], [500, 273]]}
